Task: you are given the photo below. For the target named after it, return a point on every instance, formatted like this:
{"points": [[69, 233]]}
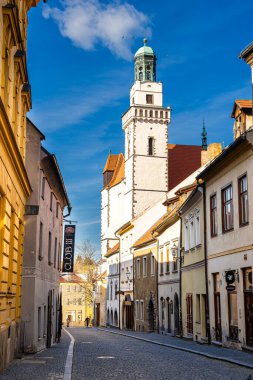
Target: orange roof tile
{"points": [[112, 250], [119, 171], [72, 277], [148, 236], [111, 163], [242, 104]]}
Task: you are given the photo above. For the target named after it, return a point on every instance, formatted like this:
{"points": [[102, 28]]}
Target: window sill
{"points": [[167, 273], [226, 231], [175, 271], [161, 274], [243, 224], [40, 258], [198, 246], [213, 236]]}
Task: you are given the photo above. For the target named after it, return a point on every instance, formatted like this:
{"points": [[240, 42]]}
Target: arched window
{"points": [[156, 113], [150, 146], [161, 113], [140, 75], [166, 115], [141, 113], [150, 113], [146, 113]]}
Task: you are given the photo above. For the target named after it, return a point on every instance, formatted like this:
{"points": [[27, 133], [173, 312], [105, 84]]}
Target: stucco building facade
{"points": [[42, 245], [15, 102]]}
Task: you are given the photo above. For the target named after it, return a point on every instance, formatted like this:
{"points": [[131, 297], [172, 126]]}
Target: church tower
{"points": [[145, 124]]}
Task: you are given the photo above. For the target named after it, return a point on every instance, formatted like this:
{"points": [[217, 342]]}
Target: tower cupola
{"points": [[145, 64]]}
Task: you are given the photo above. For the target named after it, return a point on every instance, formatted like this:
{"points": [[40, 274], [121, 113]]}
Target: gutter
{"points": [[206, 268]]}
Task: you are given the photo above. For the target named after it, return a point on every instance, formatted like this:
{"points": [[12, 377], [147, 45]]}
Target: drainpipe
{"points": [[180, 280], [206, 267], [119, 279], [157, 295], [134, 292]]}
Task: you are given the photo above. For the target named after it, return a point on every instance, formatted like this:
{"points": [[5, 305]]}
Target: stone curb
{"points": [[209, 356], [69, 359]]}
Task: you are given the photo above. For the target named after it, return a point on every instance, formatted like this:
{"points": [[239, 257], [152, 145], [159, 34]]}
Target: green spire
{"points": [[145, 63], [204, 137]]}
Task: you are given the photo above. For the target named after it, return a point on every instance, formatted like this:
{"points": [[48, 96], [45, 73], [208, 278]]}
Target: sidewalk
{"points": [[240, 358], [48, 364]]}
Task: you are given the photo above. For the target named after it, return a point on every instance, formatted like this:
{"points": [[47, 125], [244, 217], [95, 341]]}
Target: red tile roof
{"points": [[111, 162], [72, 277], [183, 160]]}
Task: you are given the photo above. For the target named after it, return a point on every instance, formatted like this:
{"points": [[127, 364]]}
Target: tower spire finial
{"points": [[204, 136], [145, 41]]}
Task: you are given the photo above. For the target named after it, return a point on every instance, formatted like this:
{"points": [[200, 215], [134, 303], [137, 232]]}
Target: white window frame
{"points": [[144, 272], [138, 268]]}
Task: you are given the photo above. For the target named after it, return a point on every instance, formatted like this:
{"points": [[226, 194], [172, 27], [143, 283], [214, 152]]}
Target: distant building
{"points": [[42, 245], [76, 300], [15, 189], [139, 179], [100, 283]]}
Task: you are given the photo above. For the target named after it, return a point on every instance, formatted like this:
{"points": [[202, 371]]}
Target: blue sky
{"points": [[81, 70]]}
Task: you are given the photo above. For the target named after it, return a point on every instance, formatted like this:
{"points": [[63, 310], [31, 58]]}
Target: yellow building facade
{"points": [[15, 102], [77, 302]]}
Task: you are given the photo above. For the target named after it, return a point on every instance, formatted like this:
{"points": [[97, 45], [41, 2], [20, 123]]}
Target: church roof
{"points": [[144, 49], [111, 163], [242, 104], [115, 163]]}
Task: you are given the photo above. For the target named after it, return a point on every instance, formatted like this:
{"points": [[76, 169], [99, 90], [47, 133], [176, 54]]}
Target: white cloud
{"points": [[88, 23]]}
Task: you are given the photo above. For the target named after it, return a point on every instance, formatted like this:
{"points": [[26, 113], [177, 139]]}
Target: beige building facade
{"points": [[229, 218], [193, 274]]}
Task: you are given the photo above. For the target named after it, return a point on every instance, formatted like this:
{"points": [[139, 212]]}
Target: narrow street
{"points": [[101, 355]]}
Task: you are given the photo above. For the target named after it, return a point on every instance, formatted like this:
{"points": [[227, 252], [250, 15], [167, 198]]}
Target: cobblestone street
{"points": [[101, 355]]}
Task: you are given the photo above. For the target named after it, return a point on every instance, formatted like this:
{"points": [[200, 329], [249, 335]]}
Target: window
{"points": [[49, 248], [149, 99], [137, 309], [41, 242], [57, 210], [152, 269], [213, 215], [144, 268], [167, 259], [55, 252], [138, 272], [51, 201], [192, 242], [43, 187], [227, 209], [186, 236], [45, 321], [59, 258], [197, 228], [150, 146], [141, 310], [39, 322], [243, 200], [161, 262], [116, 291], [111, 290]]}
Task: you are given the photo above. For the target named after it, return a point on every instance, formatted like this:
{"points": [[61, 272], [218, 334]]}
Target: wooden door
{"points": [[189, 312], [248, 303]]}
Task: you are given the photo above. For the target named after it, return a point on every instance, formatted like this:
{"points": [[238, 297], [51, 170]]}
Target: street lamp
{"points": [[247, 56], [174, 251]]}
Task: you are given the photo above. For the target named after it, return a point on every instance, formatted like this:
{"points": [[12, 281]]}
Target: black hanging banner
{"points": [[69, 248]]}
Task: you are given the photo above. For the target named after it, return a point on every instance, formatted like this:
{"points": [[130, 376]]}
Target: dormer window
{"points": [[150, 146], [149, 99]]}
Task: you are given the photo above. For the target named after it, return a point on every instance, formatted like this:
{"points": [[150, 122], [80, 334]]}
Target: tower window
{"points": [[149, 99], [151, 146]]}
